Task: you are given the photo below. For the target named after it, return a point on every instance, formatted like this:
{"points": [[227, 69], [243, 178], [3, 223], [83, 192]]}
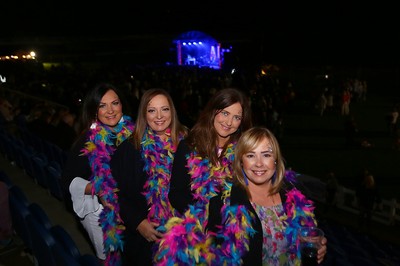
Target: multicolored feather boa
{"points": [[101, 144], [299, 211], [207, 181], [186, 241], [158, 156]]}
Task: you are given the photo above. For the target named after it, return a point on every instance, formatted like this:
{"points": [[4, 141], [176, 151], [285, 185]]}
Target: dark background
{"points": [[301, 32]]}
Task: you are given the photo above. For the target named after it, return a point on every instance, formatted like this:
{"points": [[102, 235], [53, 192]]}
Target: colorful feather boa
{"points": [[158, 156], [185, 238], [101, 144], [299, 211], [208, 179]]}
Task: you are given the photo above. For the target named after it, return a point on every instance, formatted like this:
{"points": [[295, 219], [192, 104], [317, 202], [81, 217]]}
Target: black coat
{"points": [[131, 178], [180, 194]]}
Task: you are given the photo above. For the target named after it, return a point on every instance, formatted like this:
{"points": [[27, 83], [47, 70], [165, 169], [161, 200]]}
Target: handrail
{"points": [[387, 211]]}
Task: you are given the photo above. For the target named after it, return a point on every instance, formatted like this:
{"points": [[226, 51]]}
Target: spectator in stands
{"points": [[321, 104], [330, 101], [332, 187], [92, 168], [6, 111], [351, 132], [5, 217], [392, 121], [345, 104], [41, 126], [66, 131], [367, 195]]}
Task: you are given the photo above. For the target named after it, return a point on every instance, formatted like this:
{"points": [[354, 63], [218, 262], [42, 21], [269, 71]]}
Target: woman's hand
{"points": [[322, 250], [148, 230]]}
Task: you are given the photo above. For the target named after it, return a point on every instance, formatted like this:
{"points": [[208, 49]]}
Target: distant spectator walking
{"points": [[392, 121], [351, 132], [367, 195], [346, 98], [321, 104], [329, 102], [332, 186]]}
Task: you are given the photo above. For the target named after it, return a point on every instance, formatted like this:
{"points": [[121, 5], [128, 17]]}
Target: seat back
{"points": [[17, 193], [63, 258], [6, 179], [39, 170], [54, 180], [89, 260], [40, 215], [19, 212], [65, 240], [43, 242]]}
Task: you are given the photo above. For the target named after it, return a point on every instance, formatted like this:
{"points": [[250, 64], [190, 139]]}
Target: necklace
{"points": [[101, 144]]}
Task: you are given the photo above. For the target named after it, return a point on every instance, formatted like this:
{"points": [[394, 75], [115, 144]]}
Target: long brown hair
{"points": [[203, 136]]}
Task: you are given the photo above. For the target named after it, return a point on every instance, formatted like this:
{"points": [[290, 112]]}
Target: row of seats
{"points": [[37, 162], [49, 245]]}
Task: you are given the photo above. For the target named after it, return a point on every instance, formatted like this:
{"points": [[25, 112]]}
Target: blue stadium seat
{"points": [[63, 258], [40, 215], [43, 242], [6, 179], [39, 163], [27, 153], [89, 260], [67, 253], [19, 195], [54, 180], [19, 212], [65, 240]]}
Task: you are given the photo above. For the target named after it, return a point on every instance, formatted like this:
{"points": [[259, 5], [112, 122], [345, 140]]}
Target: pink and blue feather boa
{"points": [[186, 241], [158, 156], [100, 146]]}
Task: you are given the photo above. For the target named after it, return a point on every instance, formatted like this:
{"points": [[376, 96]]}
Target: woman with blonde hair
{"points": [[256, 223]]}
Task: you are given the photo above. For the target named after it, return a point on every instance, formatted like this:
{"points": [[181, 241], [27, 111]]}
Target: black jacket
{"points": [[180, 194]]}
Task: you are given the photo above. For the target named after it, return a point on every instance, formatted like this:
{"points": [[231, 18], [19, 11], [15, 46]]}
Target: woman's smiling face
{"points": [[109, 111]]}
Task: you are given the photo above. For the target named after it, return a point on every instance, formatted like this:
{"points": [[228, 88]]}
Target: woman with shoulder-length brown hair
{"points": [[202, 165]]}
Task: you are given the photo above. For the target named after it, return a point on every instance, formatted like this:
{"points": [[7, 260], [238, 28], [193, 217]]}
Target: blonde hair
{"points": [[246, 143]]}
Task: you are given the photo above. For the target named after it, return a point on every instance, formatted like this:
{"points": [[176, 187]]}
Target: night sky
{"points": [[324, 31]]}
